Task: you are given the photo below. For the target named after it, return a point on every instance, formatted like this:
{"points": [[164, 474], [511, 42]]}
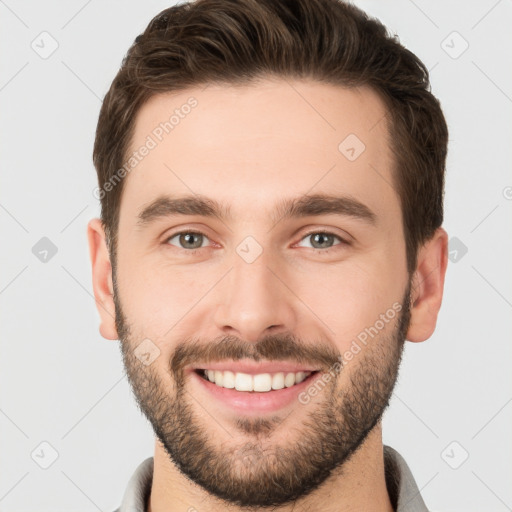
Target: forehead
{"points": [[249, 146]]}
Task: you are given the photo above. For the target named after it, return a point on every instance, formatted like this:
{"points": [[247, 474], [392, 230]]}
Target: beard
{"points": [[254, 470]]}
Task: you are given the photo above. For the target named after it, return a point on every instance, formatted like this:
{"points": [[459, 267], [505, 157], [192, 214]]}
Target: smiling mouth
{"points": [[259, 383]]}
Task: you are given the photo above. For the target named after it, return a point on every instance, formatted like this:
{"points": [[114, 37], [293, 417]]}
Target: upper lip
{"points": [[252, 368]]}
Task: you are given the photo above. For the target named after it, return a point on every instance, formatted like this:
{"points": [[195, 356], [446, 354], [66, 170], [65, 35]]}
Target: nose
{"points": [[256, 300]]}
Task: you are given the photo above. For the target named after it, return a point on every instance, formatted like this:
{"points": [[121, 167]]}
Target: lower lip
{"points": [[254, 401]]}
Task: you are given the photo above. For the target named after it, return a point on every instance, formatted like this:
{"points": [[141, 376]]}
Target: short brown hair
{"points": [[238, 41]]}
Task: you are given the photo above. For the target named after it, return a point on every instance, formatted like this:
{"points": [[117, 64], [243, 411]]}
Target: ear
{"points": [[102, 279], [427, 286]]}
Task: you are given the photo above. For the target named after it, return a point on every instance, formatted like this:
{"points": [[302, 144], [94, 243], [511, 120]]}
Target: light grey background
{"points": [[62, 384]]}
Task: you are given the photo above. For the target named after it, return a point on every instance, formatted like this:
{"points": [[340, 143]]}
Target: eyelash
{"points": [[314, 232]]}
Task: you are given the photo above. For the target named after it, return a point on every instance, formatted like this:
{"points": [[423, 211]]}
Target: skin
{"points": [[249, 147]]}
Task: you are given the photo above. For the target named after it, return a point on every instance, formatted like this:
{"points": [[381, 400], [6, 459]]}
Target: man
{"points": [[271, 180]]}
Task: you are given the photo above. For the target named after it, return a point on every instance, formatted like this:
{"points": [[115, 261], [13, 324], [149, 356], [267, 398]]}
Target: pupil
{"points": [[321, 235], [189, 236]]}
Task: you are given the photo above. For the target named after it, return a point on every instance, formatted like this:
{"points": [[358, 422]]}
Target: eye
{"points": [[188, 239], [323, 240], [193, 240]]}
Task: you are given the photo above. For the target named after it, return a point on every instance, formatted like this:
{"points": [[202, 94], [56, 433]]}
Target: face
{"points": [[288, 255]]}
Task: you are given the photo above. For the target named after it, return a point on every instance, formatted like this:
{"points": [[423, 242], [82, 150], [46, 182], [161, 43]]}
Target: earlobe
{"points": [[427, 286], [102, 278]]}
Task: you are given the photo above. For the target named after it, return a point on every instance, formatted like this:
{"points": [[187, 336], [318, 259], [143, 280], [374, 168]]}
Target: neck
{"points": [[359, 485]]}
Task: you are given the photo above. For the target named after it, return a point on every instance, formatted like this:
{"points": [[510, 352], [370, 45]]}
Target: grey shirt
{"points": [[402, 488]]}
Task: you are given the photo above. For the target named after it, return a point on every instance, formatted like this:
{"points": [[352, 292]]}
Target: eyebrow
{"points": [[304, 206]]}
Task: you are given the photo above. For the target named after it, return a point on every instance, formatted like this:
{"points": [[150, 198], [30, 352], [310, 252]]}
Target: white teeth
{"points": [[278, 381], [243, 382], [262, 382], [289, 380], [300, 376], [228, 380]]}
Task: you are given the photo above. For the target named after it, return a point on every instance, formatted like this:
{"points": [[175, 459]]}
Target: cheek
{"points": [[351, 299], [156, 297]]}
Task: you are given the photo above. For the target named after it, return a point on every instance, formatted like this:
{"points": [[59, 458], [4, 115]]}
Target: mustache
{"points": [[270, 348]]}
